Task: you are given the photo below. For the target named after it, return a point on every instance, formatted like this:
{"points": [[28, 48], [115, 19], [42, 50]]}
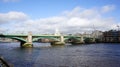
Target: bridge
{"points": [[26, 40]]}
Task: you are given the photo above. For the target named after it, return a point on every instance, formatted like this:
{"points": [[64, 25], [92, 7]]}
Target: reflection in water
{"points": [[43, 55]]}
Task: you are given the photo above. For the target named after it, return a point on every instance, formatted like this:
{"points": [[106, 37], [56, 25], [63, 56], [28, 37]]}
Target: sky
{"points": [[68, 16]]}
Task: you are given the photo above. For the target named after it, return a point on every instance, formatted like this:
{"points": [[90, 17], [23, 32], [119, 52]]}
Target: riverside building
{"points": [[111, 36]]}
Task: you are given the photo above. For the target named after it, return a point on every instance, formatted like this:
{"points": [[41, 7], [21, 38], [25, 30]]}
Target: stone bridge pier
{"points": [[61, 42], [75, 40], [29, 43]]}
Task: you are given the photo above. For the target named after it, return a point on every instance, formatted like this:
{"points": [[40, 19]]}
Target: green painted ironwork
{"points": [[22, 37], [51, 38]]}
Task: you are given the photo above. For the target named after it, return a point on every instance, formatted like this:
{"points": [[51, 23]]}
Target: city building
{"points": [[111, 36]]}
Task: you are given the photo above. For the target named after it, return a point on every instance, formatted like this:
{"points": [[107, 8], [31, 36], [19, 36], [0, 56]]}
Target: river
{"points": [[43, 55]]}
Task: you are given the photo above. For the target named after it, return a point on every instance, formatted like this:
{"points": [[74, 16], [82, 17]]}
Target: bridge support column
{"points": [[61, 42], [94, 40], [82, 39], [28, 44], [89, 40], [78, 41], [21, 44]]}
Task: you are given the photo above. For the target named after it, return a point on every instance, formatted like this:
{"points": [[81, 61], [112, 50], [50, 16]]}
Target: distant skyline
{"points": [[69, 16]]}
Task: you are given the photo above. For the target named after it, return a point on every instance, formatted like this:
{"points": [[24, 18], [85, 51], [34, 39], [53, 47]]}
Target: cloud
{"points": [[12, 17], [82, 12], [107, 8], [73, 21], [10, 0]]}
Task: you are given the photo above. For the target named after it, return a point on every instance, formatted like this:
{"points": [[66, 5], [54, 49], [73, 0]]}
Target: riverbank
{"points": [[4, 63]]}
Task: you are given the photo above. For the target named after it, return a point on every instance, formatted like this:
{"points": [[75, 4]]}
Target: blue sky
{"points": [[37, 10], [47, 8]]}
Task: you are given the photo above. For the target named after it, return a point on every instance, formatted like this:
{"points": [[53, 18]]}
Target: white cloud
{"points": [[107, 8], [77, 20], [82, 13], [12, 17]]}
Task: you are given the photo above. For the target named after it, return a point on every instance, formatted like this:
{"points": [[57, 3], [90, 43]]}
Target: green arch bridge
{"points": [[27, 40]]}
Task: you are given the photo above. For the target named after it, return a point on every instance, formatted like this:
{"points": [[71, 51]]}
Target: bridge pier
{"points": [[78, 41], [21, 44], [61, 42], [90, 40], [27, 44], [82, 40]]}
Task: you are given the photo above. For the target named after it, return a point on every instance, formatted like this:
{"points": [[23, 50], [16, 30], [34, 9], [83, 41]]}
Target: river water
{"points": [[43, 55]]}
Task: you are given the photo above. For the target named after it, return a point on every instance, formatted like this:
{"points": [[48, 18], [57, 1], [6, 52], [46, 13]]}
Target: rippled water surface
{"points": [[43, 55]]}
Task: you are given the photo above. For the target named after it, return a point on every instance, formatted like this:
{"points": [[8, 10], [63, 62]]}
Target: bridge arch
{"points": [[19, 39], [72, 38], [52, 38]]}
